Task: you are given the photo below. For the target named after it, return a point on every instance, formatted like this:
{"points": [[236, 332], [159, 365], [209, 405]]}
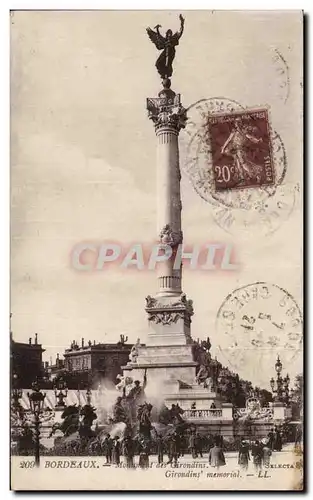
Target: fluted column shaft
{"points": [[169, 206]]}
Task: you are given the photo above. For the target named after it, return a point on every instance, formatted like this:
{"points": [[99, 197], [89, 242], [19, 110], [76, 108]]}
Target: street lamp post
{"points": [[36, 401], [16, 393], [280, 387], [60, 392]]}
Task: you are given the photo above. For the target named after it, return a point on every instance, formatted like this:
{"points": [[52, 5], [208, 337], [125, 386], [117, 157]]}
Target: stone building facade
{"points": [[90, 362], [26, 362]]}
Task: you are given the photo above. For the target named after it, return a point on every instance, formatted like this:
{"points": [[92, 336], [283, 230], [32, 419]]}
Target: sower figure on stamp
{"points": [[236, 145], [167, 44]]}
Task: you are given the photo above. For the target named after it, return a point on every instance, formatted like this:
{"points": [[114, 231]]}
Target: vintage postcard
{"points": [[156, 250]]}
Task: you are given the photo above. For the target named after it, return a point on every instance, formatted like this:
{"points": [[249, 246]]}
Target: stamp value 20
{"points": [[241, 149]]}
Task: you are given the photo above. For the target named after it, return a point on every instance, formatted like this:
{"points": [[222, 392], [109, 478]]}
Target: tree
{"points": [[297, 393], [296, 399], [265, 397]]}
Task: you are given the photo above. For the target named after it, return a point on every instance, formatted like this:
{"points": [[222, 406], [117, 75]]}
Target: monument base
{"points": [[171, 376]]}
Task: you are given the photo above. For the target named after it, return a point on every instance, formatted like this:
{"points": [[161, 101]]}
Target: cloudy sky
{"points": [[83, 162]]}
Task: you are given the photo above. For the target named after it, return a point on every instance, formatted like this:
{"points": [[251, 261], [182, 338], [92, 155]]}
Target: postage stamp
{"points": [[219, 186], [241, 149], [262, 318], [260, 202]]}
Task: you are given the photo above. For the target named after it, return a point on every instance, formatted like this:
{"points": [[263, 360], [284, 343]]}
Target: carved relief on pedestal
{"points": [[181, 303], [182, 308], [165, 317], [169, 237]]}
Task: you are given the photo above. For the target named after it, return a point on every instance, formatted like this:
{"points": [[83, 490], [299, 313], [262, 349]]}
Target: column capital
{"points": [[166, 111]]}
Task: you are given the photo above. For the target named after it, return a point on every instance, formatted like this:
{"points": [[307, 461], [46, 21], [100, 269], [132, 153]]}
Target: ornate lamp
{"points": [[60, 392], [278, 366], [16, 392], [281, 384], [36, 402]]}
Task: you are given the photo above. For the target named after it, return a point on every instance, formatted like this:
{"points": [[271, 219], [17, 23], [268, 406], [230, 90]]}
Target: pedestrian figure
{"points": [[116, 451], [216, 455], [107, 448], [267, 453], [298, 436], [210, 441], [160, 448], [244, 455], [173, 450], [182, 446], [278, 441], [271, 439], [144, 455], [257, 454], [199, 445], [192, 445], [129, 451]]}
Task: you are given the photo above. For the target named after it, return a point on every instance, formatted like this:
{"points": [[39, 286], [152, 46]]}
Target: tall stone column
{"points": [[169, 311], [169, 204]]}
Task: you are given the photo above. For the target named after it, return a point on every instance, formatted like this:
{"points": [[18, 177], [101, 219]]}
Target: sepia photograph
{"points": [[156, 250]]}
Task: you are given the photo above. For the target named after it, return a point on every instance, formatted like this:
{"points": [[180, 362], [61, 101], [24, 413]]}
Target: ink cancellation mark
{"points": [[282, 74], [257, 322], [267, 215]]}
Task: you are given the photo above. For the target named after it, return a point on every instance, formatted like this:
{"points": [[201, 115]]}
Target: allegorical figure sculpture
{"points": [[167, 44]]}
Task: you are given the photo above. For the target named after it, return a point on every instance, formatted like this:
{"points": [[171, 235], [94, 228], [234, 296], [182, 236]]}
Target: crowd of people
{"points": [[176, 445]]}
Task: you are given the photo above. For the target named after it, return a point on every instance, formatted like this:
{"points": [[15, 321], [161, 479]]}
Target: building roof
{"points": [[94, 348]]}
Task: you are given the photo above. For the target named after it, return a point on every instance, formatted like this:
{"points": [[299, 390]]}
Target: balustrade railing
{"points": [[203, 414]]}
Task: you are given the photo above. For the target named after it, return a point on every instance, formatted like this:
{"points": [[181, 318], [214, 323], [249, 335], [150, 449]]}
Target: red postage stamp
{"points": [[241, 149]]}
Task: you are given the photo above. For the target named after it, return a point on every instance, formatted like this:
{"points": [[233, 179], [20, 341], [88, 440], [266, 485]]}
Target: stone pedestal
{"points": [[278, 410]]}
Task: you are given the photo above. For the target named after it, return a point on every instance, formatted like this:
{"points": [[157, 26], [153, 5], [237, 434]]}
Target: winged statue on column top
{"points": [[167, 44]]}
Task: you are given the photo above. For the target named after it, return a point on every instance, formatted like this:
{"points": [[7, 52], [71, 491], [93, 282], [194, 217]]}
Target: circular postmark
{"points": [[282, 74], [199, 163], [267, 213], [255, 324]]}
